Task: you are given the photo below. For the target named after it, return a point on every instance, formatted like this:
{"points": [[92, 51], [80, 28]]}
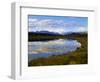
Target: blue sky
{"points": [[60, 24]]}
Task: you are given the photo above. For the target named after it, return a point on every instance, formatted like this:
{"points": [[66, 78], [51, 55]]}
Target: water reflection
{"points": [[53, 47]]}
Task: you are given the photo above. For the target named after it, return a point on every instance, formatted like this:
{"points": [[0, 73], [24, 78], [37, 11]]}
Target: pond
{"points": [[39, 49]]}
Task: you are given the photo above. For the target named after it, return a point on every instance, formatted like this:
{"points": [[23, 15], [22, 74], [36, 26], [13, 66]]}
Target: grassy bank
{"points": [[79, 56]]}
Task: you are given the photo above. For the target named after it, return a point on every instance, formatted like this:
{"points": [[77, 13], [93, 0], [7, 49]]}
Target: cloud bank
{"points": [[53, 25]]}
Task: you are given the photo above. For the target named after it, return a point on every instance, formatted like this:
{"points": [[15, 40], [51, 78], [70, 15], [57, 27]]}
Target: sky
{"points": [[59, 24]]}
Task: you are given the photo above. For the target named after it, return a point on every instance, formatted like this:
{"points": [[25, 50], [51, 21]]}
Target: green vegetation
{"points": [[79, 56], [44, 37]]}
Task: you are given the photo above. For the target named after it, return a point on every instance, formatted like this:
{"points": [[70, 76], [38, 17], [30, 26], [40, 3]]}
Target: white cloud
{"points": [[32, 20], [45, 23], [59, 30], [59, 26], [81, 29]]}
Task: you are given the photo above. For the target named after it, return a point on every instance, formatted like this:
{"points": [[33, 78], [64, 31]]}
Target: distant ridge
{"points": [[44, 33], [55, 33]]}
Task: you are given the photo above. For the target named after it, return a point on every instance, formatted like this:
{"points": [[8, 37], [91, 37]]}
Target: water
{"points": [[40, 49]]}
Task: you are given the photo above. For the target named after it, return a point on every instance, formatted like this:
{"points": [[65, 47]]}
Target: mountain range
{"points": [[55, 33]]}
